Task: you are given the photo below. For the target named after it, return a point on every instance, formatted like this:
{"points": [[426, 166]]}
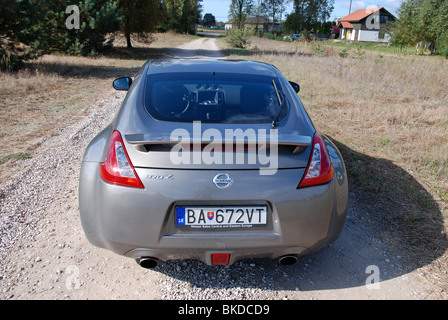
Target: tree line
{"points": [[87, 27], [29, 28], [306, 14]]}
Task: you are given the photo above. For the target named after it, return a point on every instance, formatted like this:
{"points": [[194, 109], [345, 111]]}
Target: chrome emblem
{"points": [[222, 180], [160, 177]]}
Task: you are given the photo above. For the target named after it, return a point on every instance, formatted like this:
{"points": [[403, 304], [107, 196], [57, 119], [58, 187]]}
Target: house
{"points": [[261, 24], [366, 25]]}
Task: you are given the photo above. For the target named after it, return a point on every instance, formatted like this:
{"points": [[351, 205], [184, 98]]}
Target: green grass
{"points": [[383, 141], [372, 46], [14, 156]]}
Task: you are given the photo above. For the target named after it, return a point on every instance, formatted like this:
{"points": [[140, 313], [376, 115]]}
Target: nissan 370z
{"points": [[214, 160]]}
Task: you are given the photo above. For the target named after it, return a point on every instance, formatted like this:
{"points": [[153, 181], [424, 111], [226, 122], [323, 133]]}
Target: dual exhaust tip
{"points": [[288, 260], [148, 262], [151, 263]]}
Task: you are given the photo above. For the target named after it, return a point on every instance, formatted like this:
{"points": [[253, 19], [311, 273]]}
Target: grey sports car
{"points": [[214, 160]]}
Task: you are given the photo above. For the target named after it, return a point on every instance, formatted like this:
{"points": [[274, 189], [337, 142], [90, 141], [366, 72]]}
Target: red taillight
{"points": [[320, 169], [118, 168]]}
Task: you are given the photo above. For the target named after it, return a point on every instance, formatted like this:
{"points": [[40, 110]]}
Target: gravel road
{"points": [[45, 254]]}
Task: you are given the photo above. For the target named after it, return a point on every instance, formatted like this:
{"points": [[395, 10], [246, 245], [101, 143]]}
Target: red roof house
{"points": [[365, 25]]}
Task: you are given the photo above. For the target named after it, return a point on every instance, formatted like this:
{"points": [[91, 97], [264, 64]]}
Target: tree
{"points": [[239, 11], [22, 31], [32, 27], [274, 9], [309, 14], [191, 15], [259, 13], [292, 23], [182, 15], [209, 20], [423, 22], [138, 16], [98, 20], [404, 31]]}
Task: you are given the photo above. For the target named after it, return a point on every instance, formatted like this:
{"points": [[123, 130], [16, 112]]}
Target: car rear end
{"points": [[156, 187]]}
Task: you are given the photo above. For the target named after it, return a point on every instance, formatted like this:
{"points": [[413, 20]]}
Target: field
{"points": [[388, 114]]}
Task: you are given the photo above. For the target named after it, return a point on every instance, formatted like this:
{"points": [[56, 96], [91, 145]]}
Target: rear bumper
{"points": [[206, 255], [138, 223]]}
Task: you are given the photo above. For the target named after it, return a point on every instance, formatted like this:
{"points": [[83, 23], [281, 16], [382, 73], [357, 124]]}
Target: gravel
{"points": [[45, 255], [27, 201]]}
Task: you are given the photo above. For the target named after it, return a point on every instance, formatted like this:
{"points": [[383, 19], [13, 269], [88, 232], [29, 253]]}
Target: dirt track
{"points": [[45, 254]]}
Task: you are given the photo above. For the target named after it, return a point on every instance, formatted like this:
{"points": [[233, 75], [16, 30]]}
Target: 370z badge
{"points": [[160, 177]]}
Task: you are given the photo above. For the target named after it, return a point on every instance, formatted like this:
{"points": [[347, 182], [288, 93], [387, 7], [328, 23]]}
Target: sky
{"points": [[220, 8]]}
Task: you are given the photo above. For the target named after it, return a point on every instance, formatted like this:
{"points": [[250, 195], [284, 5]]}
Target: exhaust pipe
{"points": [[287, 260], [147, 262]]}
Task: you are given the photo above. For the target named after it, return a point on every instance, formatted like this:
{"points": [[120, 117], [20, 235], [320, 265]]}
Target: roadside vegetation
{"points": [[86, 28], [388, 115]]}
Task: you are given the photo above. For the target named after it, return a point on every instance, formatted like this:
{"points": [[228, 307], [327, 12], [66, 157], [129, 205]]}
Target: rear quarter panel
{"points": [[341, 187]]}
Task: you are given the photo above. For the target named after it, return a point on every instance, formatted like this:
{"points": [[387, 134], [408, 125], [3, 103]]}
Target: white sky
{"points": [[220, 8]]}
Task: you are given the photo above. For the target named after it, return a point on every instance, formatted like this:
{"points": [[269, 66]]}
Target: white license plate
{"points": [[221, 217]]}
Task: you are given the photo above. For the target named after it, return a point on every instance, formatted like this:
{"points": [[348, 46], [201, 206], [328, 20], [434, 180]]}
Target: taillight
{"points": [[320, 169], [118, 168]]}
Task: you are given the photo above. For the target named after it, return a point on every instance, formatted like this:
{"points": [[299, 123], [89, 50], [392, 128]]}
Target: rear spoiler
{"points": [[292, 140], [152, 139]]}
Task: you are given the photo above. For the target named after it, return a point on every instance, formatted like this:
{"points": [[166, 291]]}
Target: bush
{"points": [[359, 54], [344, 53], [11, 59], [238, 38], [306, 35], [318, 49]]}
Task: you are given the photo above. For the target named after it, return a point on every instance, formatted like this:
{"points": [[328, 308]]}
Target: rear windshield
{"points": [[213, 98]]}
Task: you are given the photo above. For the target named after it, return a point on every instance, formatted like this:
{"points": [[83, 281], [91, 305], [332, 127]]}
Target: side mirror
{"points": [[122, 84], [295, 86]]}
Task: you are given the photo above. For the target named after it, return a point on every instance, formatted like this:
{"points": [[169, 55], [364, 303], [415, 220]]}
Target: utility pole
{"points": [[350, 10]]}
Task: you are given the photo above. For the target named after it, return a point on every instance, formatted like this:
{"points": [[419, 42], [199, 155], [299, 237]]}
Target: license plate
{"points": [[221, 217]]}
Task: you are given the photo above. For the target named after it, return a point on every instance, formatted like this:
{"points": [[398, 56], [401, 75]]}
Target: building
{"points": [[260, 24], [366, 25]]}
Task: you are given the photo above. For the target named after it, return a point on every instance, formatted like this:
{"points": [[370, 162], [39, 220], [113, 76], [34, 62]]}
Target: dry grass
{"points": [[395, 107], [389, 116], [55, 90]]}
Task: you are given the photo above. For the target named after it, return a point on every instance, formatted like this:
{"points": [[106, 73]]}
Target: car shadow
{"points": [[393, 227]]}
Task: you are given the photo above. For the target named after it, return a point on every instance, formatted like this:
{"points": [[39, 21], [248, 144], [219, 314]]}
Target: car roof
{"points": [[211, 65]]}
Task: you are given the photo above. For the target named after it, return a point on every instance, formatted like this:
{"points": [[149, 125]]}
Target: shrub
{"points": [[238, 38], [318, 49], [359, 54], [343, 53]]}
